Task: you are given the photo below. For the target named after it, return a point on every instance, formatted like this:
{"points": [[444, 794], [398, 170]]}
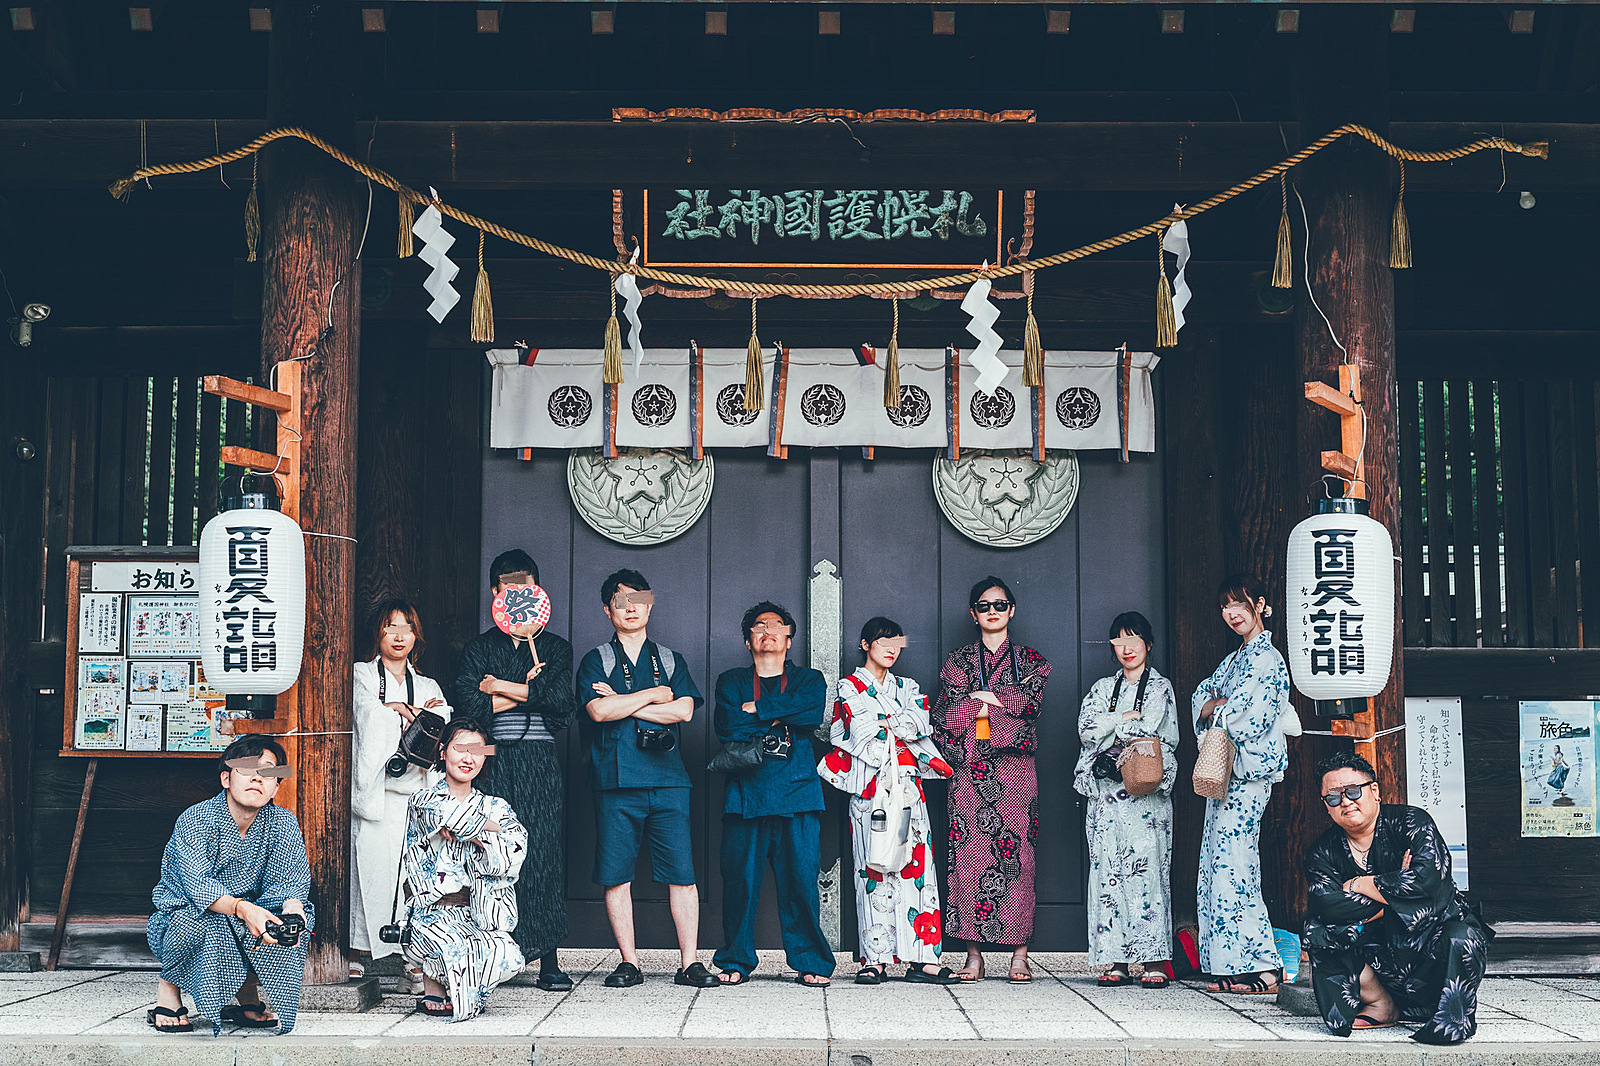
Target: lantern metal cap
{"points": [[251, 501], [1342, 505]]}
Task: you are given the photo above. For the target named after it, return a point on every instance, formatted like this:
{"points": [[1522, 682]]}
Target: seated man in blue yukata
{"points": [[231, 920], [636, 694]]}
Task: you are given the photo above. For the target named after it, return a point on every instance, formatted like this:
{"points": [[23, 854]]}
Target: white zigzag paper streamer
{"points": [[991, 371], [628, 288], [1176, 241], [429, 229]]}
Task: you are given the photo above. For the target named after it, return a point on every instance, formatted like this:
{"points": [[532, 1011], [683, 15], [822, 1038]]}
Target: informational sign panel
{"points": [[134, 680], [1435, 780], [1558, 775]]}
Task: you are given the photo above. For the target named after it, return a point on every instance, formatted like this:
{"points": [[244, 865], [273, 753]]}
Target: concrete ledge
{"points": [[20, 962], [1298, 1000], [256, 1050], [349, 998]]}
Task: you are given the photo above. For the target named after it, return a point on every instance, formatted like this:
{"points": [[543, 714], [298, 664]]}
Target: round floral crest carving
{"points": [[822, 405], [730, 406], [642, 496], [570, 406], [654, 405], [1006, 499], [915, 406], [1077, 407], [993, 410]]}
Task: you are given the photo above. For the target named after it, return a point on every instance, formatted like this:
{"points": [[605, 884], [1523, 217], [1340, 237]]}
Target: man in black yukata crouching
{"points": [[233, 872], [1390, 937]]}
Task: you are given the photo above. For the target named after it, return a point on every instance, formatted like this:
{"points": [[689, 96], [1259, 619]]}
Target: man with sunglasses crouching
{"points": [[1390, 936], [230, 913]]}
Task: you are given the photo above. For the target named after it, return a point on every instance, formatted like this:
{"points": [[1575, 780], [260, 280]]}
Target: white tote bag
{"points": [[889, 827]]}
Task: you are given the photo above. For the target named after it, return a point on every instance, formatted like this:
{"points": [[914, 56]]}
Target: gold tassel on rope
{"points": [[252, 217], [755, 395], [891, 369], [1166, 322], [611, 367], [1400, 231], [1032, 350], [402, 247], [482, 306], [1282, 265]]}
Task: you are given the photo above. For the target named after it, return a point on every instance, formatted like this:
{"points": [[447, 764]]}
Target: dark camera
{"points": [[286, 931], [656, 739], [396, 934], [1105, 765], [777, 745], [397, 765]]}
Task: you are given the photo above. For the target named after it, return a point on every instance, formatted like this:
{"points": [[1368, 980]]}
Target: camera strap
{"points": [[627, 671], [1138, 699], [383, 684], [985, 682], [755, 684]]}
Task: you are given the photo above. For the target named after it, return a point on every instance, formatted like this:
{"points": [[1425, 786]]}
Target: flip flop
{"points": [[1114, 979], [1372, 1023], [820, 982], [732, 977], [239, 1015], [426, 1005], [167, 1012], [1154, 979]]}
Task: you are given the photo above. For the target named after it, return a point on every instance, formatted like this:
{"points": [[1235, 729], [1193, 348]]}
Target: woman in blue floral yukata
{"points": [[1248, 696]]}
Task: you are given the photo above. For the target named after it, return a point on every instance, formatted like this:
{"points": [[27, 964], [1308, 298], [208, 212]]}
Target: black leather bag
{"points": [[419, 744], [736, 757]]}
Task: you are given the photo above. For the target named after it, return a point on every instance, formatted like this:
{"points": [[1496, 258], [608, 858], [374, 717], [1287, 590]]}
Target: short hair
{"points": [[1135, 623], [455, 727], [249, 747], [515, 561], [990, 582], [768, 607], [1344, 760], [380, 618], [878, 627], [1246, 588], [631, 578]]}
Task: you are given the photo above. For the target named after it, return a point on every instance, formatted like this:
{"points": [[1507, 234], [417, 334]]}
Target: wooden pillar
{"points": [[309, 229], [1349, 202]]}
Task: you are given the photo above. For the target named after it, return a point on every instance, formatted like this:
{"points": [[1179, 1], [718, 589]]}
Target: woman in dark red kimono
{"points": [[990, 695]]}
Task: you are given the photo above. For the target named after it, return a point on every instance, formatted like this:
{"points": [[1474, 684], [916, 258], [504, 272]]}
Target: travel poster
{"points": [[1558, 773]]}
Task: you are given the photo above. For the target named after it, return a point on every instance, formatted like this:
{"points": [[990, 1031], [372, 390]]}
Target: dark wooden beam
{"points": [[1165, 156]]}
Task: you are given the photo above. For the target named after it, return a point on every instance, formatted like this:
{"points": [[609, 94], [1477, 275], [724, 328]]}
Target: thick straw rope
{"points": [[749, 289]]}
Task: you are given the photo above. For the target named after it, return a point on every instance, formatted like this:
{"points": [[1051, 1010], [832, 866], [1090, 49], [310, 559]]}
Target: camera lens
{"points": [[397, 765]]}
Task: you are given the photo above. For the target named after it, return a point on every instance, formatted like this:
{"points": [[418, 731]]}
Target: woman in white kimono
{"points": [[882, 747], [1247, 695], [1130, 837], [388, 694], [463, 852]]}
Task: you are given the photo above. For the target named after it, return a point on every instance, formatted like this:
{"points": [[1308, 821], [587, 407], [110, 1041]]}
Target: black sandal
{"points": [[437, 1006], [1247, 984], [870, 975], [944, 976], [1114, 979], [1153, 979], [732, 977], [822, 981], [238, 1015], [181, 1013]]}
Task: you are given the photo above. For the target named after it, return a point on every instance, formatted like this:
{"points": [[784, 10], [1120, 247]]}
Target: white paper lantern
{"points": [[252, 598], [1340, 603]]}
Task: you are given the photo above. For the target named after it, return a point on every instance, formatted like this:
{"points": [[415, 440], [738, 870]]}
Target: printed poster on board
{"points": [[1435, 776], [1558, 776], [100, 623]]}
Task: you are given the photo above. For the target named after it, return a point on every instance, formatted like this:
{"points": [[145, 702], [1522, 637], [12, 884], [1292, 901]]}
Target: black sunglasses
{"points": [[985, 606], [1351, 793]]}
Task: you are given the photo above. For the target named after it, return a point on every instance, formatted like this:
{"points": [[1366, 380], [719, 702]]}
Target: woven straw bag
{"points": [[1213, 767], [1140, 763]]}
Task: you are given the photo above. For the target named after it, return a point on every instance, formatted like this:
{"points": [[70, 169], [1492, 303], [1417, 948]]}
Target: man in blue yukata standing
{"points": [[233, 871], [772, 813], [636, 695]]}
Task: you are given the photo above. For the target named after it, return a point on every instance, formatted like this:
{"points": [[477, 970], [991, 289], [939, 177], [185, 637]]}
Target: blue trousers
{"points": [[792, 844]]}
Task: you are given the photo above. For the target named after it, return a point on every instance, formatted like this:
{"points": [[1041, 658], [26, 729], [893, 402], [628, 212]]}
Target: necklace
{"points": [[1359, 854]]}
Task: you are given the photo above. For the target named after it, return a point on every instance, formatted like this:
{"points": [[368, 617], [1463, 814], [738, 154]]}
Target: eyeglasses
{"points": [[399, 630], [1351, 793], [998, 606], [776, 629]]}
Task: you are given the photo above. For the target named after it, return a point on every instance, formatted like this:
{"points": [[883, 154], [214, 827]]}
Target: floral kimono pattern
{"points": [[465, 946], [203, 952], [994, 798], [1130, 837], [1235, 932], [1427, 946], [881, 728]]}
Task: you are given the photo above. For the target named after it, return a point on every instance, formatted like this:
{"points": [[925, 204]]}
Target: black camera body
{"points": [[394, 933], [656, 738], [1105, 765], [286, 930], [777, 745]]}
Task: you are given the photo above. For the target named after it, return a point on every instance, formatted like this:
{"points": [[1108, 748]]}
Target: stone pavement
{"points": [[89, 1017]]}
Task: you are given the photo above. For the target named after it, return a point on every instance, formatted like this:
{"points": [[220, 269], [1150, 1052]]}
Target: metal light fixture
{"points": [[22, 327], [1525, 200]]}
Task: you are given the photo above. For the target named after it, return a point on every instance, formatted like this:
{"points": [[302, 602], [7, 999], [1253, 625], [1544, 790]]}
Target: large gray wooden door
{"points": [[768, 522]]}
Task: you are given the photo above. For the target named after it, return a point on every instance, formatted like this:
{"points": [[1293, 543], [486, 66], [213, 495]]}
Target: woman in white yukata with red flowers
{"points": [[883, 746]]}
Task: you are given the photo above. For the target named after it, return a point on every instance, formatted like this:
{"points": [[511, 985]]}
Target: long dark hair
{"points": [[380, 618], [1246, 588]]}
